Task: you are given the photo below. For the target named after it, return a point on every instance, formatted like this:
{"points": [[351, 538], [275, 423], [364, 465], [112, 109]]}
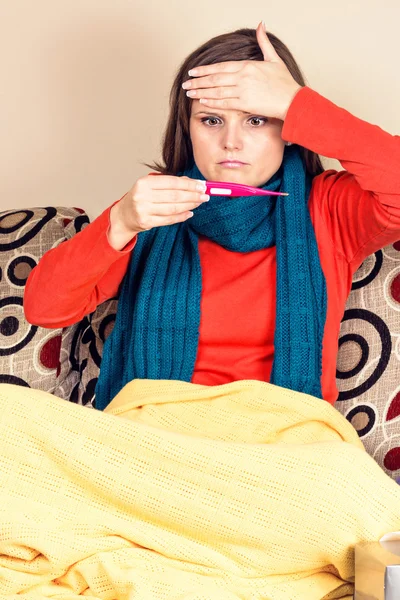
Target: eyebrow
{"points": [[215, 113]]}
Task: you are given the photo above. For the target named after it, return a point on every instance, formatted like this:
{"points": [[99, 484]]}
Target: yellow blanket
{"points": [[185, 492]]}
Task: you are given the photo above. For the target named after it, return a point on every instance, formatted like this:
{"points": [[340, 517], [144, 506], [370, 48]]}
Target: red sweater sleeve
{"points": [[71, 280], [361, 205]]}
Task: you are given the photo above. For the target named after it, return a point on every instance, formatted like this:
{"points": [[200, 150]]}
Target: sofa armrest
{"points": [[29, 355]]}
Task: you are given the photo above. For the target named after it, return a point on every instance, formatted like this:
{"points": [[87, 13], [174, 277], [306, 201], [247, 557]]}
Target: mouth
{"points": [[232, 164]]}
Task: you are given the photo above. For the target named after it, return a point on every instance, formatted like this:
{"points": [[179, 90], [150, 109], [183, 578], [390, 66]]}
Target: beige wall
{"points": [[84, 83]]}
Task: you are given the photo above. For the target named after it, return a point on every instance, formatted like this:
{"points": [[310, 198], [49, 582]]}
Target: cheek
{"points": [[267, 156], [202, 142], [267, 147]]}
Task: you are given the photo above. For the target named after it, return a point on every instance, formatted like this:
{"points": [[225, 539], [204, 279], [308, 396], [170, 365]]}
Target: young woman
{"points": [[243, 487], [214, 290]]}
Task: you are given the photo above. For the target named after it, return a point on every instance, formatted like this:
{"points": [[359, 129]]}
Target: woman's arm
{"points": [[361, 205], [71, 280]]}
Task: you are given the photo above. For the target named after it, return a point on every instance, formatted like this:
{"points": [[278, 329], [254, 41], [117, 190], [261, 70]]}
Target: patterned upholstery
{"points": [[368, 365], [85, 348], [66, 362], [29, 355]]}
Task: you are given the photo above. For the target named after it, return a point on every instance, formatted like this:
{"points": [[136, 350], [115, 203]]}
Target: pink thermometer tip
{"points": [[225, 188]]}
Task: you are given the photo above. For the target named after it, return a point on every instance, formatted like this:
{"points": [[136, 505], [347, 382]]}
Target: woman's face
{"points": [[252, 143]]}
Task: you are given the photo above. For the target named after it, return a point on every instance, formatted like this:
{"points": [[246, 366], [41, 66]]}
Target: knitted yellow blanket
{"points": [[185, 492]]}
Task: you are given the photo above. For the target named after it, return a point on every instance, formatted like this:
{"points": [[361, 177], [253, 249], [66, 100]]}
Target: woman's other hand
{"points": [[264, 88], [154, 201]]}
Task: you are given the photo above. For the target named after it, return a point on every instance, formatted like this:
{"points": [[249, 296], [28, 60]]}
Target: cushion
{"points": [[368, 365], [29, 355], [85, 345]]}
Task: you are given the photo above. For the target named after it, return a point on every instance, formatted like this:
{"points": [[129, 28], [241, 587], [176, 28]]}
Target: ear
{"points": [[267, 48]]}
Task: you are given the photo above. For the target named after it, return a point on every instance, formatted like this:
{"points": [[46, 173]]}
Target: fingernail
{"points": [[264, 26], [201, 186], [204, 197], [191, 93], [186, 84], [192, 72]]}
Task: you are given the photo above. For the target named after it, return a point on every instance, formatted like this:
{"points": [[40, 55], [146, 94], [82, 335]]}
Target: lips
{"points": [[232, 163]]}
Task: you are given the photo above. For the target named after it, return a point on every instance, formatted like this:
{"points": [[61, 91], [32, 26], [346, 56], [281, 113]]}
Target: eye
{"points": [[257, 121], [211, 121]]}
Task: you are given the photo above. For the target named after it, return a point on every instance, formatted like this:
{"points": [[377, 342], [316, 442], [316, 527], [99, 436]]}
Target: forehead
{"points": [[218, 112]]}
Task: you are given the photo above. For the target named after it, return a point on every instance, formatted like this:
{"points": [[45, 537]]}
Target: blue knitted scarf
{"points": [[156, 331]]}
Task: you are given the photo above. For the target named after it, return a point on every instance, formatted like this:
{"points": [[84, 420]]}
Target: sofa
{"points": [[65, 362]]}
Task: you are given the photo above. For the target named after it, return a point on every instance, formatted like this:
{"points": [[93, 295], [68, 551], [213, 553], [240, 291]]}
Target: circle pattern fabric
{"points": [[29, 355], [368, 365]]}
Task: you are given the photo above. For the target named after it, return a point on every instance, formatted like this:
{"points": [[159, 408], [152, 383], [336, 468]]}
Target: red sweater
{"points": [[354, 213]]}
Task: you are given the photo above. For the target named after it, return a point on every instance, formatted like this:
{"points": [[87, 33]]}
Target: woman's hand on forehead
{"points": [[263, 88]]}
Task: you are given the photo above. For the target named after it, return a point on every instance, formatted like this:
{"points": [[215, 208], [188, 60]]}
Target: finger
{"points": [[177, 197], [209, 81], [214, 93], [173, 182], [165, 210], [223, 67], [266, 47]]}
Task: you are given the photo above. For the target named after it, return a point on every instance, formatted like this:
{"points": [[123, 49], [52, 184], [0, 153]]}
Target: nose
{"points": [[232, 136]]}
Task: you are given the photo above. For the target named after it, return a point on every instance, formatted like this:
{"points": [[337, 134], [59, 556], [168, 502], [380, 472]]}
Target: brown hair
{"points": [[177, 151]]}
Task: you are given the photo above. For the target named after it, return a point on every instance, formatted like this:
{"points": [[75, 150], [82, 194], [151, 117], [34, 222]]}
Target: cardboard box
{"points": [[377, 570]]}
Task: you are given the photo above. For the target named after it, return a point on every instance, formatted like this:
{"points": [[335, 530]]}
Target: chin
{"points": [[235, 175]]}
